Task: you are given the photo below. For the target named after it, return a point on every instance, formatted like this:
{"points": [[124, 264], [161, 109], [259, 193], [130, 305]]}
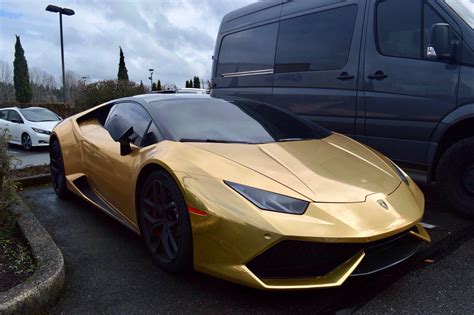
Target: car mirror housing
{"points": [[440, 46], [120, 130]]}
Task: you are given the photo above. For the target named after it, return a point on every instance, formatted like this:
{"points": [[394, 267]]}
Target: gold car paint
{"points": [[234, 231]]}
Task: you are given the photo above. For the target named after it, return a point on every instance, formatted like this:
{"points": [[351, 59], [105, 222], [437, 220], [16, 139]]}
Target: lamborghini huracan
{"points": [[240, 190]]}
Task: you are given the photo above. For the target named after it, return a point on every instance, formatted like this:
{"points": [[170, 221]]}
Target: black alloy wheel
{"points": [[58, 176], [26, 142], [164, 222]]}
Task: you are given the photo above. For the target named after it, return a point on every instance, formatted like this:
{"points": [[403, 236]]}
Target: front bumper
{"points": [[39, 139], [347, 238]]}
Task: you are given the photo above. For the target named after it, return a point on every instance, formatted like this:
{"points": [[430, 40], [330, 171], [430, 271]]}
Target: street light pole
{"points": [[61, 11], [62, 54], [151, 78]]}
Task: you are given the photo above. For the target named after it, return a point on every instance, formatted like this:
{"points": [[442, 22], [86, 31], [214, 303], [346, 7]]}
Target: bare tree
{"points": [[6, 72]]}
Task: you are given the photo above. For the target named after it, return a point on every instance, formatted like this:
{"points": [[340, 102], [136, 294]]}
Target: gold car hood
{"points": [[334, 169]]}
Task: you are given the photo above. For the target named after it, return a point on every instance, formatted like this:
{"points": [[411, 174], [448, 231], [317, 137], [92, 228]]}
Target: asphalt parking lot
{"points": [[34, 157], [109, 271]]}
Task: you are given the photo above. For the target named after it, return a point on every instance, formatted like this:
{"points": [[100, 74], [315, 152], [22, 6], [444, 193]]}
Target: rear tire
{"points": [[455, 177], [164, 222], [58, 175]]}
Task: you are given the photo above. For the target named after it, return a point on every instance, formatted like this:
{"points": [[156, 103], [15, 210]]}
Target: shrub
{"points": [[7, 189], [100, 92]]}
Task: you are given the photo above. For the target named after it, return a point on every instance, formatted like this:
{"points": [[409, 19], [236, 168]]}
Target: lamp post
{"points": [[61, 11], [151, 78]]}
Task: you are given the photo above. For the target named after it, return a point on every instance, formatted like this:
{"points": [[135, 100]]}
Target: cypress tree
{"points": [[122, 71], [190, 83], [21, 77], [187, 83], [158, 86], [197, 83]]}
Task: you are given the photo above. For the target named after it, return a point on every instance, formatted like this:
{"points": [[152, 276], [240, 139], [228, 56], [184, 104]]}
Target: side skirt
{"points": [[82, 188]]}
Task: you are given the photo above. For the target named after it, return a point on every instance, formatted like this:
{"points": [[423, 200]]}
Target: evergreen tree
{"points": [[158, 86], [190, 83], [122, 71], [197, 83], [187, 84], [153, 87], [21, 78]]}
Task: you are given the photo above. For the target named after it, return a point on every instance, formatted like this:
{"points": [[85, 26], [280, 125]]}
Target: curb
{"points": [[44, 286], [34, 180]]}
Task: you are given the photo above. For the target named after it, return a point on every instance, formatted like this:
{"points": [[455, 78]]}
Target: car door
{"points": [[109, 173], [317, 62], [15, 125], [406, 95]]}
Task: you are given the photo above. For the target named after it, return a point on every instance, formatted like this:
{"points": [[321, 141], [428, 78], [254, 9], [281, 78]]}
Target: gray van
{"points": [[397, 75]]}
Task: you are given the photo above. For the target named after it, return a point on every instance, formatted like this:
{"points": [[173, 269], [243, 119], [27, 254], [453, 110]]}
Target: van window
{"points": [[252, 49], [401, 31], [317, 41]]}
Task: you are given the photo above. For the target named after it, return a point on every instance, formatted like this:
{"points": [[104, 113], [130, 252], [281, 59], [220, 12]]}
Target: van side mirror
{"points": [[440, 46], [120, 130]]}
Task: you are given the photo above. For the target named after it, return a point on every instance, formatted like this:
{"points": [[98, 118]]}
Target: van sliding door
{"points": [[317, 62]]}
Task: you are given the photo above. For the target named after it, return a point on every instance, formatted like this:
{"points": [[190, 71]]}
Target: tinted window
{"points": [[14, 116], [401, 31], [39, 114], [3, 114], [136, 115], [318, 41], [252, 49], [233, 121]]}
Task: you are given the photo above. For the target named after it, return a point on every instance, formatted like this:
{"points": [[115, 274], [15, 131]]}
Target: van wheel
{"points": [[455, 177]]}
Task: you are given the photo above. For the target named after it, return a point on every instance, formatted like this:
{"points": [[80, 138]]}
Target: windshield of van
{"points": [[464, 8], [39, 114]]}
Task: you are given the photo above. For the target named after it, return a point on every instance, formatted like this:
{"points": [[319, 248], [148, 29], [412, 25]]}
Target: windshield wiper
{"points": [[211, 140]]}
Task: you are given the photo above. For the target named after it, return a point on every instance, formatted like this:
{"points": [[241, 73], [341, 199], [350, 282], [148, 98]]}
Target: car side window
{"points": [[3, 114], [139, 119], [248, 50], [403, 27], [13, 116], [317, 41]]}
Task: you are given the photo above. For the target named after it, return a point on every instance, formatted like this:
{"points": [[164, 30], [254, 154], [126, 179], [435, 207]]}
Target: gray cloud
{"points": [[176, 38]]}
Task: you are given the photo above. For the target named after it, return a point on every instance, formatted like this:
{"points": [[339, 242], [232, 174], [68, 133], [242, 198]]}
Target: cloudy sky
{"points": [[175, 37]]}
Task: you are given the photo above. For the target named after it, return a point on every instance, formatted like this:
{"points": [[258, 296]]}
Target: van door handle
{"points": [[379, 75], [345, 76]]}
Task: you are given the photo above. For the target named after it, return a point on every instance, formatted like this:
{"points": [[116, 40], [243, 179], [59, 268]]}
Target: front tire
{"points": [[58, 175], [455, 177], [164, 222], [26, 142]]}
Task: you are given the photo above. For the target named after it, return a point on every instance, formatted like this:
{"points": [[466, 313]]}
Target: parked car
{"points": [[28, 127], [397, 75], [183, 91], [240, 190]]}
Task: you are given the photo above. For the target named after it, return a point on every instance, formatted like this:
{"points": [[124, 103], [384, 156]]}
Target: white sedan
{"points": [[28, 127]]}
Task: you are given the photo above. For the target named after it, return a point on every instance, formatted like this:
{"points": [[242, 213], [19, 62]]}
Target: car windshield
{"points": [[233, 121], [39, 114], [464, 8]]}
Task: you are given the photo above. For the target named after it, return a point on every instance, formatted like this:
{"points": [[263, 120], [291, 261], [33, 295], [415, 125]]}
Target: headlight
{"points": [[266, 200], [37, 130], [403, 176]]}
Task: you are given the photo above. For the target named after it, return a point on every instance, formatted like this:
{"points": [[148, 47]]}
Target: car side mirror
{"points": [[440, 46], [120, 130], [16, 121]]}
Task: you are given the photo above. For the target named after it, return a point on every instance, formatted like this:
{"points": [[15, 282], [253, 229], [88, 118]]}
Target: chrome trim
{"points": [[247, 73]]}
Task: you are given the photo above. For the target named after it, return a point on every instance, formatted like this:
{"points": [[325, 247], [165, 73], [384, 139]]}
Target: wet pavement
{"points": [[108, 270]]}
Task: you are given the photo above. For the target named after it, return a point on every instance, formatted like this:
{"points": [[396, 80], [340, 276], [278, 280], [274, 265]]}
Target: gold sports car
{"points": [[240, 190]]}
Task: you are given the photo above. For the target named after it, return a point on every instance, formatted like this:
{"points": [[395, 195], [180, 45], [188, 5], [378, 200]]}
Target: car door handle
{"points": [[345, 76], [379, 75]]}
